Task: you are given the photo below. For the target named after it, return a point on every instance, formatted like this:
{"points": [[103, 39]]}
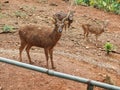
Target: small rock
{"points": [[99, 54], [33, 74], [41, 11], [35, 21], [77, 70], [66, 0], [6, 2], [87, 47], [53, 4], [0, 88], [16, 22]]}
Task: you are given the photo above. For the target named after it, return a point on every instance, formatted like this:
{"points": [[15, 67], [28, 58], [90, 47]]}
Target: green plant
{"points": [[82, 2], [107, 5], [2, 15], [20, 14], [108, 47], [7, 28]]}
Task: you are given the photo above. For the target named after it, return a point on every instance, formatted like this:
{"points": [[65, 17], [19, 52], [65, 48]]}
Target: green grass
{"points": [[106, 5], [20, 14], [7, 28], [108, 47]]}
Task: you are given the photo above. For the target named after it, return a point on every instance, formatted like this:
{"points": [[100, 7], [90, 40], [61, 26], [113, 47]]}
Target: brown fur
{"points": [[94, 29], [61, 15], [43, 37]]}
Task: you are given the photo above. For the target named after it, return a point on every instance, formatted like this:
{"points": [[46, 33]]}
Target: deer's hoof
{"points": [[53, 67], [31, 62]]}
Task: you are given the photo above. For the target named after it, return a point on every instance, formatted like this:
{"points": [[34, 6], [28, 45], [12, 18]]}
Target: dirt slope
{"points": [[72, 54]]}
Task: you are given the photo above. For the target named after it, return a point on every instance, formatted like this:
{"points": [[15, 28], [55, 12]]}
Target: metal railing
{"points": [[90, 83]]}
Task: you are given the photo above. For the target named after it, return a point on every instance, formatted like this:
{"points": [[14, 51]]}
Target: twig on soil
{"points": [[112, 51], [7, 32]]}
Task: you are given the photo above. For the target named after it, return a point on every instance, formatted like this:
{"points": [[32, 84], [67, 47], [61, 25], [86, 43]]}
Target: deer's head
{"points": [[60, 24], [70, 17]]}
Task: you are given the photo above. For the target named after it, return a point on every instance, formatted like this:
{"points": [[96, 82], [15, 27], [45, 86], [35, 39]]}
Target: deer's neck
{"points": [[55, 36]]}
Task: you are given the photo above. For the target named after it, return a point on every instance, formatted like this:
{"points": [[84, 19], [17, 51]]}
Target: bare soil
{"points": [[72, 54]]}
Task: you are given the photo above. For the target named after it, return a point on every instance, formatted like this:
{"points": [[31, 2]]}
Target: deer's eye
{"points": [[56, 24], [60, 30]]}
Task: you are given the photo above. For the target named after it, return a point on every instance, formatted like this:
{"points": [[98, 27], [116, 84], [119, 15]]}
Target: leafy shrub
{"points": [[107, 5], [7, 28], [108, 47]]}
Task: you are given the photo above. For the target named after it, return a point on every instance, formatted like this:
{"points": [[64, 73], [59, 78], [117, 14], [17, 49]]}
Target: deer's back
{"points": [[35, 36], [96, 29]]}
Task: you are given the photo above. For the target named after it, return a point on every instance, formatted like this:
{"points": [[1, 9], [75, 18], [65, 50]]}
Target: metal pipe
{"points": [[59, 74]]}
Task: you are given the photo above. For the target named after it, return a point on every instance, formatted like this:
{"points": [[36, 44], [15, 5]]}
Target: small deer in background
{"points": [[107, 79], [61, 15], [43, 37], [94, 29]]}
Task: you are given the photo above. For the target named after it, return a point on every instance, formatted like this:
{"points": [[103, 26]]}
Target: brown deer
{"points": [[43, 37], [61, 15], [107, 79], [94, 29]]}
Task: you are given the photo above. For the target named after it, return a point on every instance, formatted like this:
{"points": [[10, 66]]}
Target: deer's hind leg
{"points": [[28, 50], [22, 46], [86, 33], [46, 55]]}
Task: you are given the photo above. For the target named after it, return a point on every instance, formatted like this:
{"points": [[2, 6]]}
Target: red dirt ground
{"points": [[72, 55]]}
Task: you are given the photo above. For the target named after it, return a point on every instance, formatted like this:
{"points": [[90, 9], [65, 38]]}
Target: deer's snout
{"points": [[60, 30]]}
